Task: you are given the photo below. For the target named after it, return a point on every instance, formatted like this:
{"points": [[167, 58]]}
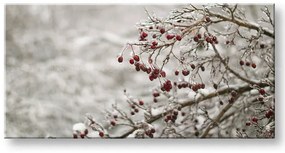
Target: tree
{"points": [[215, 75]]}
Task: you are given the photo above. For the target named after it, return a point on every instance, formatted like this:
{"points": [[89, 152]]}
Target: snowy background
{"points": [[61, 63]]}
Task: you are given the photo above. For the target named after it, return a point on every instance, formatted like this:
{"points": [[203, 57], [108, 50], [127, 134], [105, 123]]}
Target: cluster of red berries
{"points": [[150, 132], [184, 84], [155, 73], [143, 36], [211, 39], [155, 94], [196, 87], [82, 135], [197, 37], [253, 65], [134, 109], [171, 116], [167, 86]]}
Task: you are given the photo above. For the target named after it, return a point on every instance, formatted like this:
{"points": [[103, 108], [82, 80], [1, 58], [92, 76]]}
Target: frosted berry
{"points": [[269, 113], [162, 30], [215, 86], [262, 91], [155, 94], [208, 19], [86, 131], [143, 35], [75, 136], [120, 59], [254, 119], [152, 130], [185, 72], [241, 63], [163, 74], [202, 68], [176, 72], [101, 134], [115, 116], [178, 38], [199, 36], [136, 58], [196, 39], [113, 123], [253, 65], [155, 100], [136, 110], [141, 102], [192, 66]]}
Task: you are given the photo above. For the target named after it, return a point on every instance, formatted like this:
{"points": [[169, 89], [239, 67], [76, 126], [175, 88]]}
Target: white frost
{"points": [[79, 127]]}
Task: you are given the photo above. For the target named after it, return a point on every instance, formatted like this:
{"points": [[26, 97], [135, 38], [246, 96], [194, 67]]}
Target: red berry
{"points": [[132, 61], [178, 38], [234, 93], [154, 36], [120, 59], [247, 64], [170, 36], [253, 65], [185, 72], [241, 63], [196, 39], [215, 86], [269, 113], [254, 119], [214, 38], [208, 39], [75, 136], [155, 94], [155, 100], [101, 134], [152, 130], [132, 113], [141, 102], [192, 66], [113, 123], [262, 91], [85, 131], [202, 68], [82, 135], [208, 19], [163, 74], [162, 30], [143, 34], [154, 43], [136, 110], [176, 72], [136, 58], [199, 36]]}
